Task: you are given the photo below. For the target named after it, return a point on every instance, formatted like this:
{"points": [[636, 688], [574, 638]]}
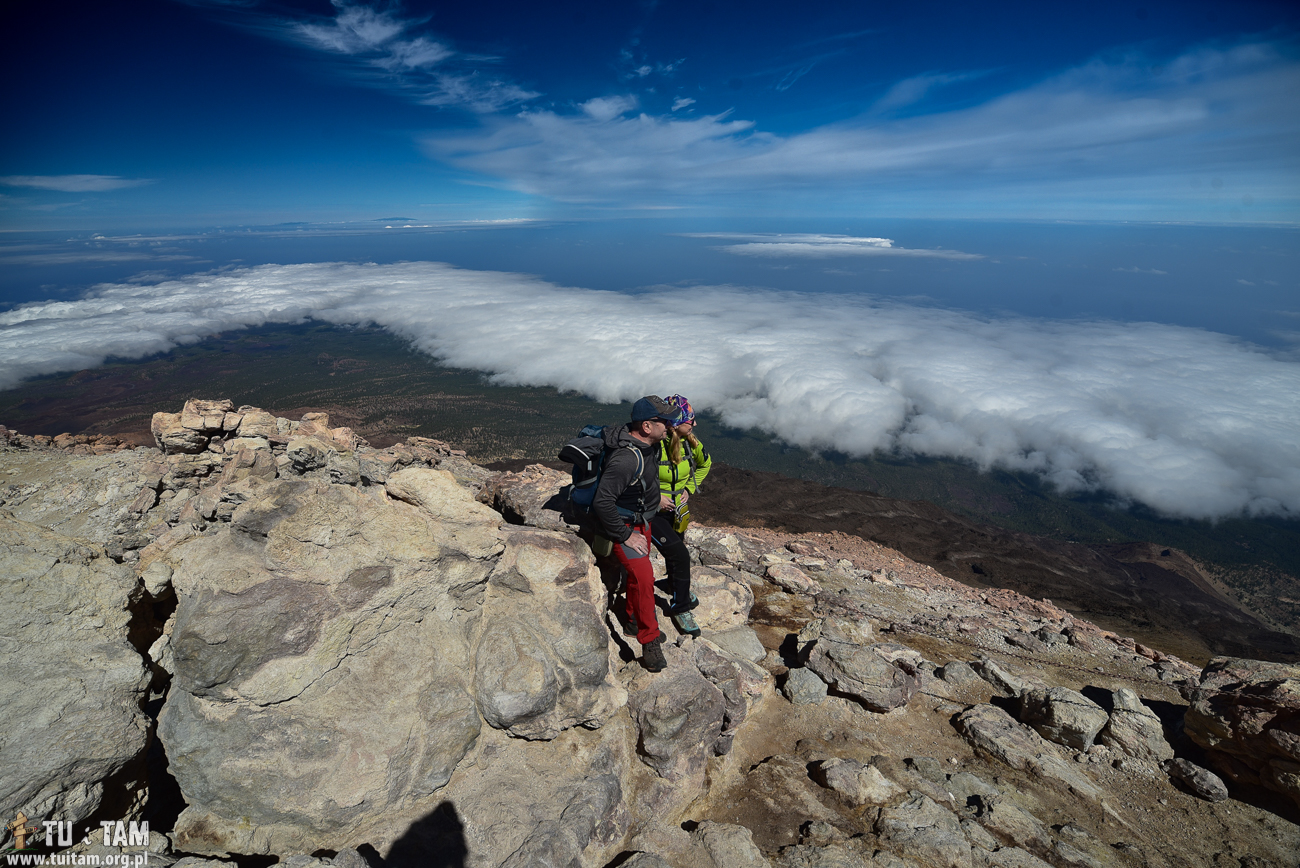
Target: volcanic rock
{"points": [[1063, 715], [1134, 729], [73, 683], [1248, 711]]}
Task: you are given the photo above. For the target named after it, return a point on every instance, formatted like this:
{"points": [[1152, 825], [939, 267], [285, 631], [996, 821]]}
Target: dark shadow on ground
{"points": [[436, 841]]}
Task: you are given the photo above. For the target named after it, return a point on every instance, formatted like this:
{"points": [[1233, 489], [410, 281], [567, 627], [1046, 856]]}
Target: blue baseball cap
{"points": [[653, 407]]}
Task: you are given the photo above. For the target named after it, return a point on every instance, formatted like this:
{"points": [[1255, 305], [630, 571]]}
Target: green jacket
{"points": [[686, 474]]}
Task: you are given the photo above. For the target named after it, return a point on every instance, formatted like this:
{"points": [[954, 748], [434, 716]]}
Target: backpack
{"points": [[587, 454]]}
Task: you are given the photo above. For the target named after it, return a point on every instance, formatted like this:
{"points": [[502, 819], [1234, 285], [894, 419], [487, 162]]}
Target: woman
{"points": [[683, 464]]}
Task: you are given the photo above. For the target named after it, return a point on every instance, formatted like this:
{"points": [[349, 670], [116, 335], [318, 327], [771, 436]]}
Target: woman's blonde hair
{"points": [[674, 445]]}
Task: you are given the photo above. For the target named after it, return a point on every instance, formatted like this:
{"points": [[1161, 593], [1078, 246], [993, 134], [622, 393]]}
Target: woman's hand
{"points": [[666, 503]]}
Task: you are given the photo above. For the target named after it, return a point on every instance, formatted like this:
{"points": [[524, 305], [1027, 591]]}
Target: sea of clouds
{"points": [[1190, 422]]}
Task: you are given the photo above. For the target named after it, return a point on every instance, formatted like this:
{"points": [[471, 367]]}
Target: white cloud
{"points": [[74, 183], [1136, 270], [1103, 134], [682, 102], [425, 68], [824, 246], [1190, 422], [913, 90], [606, 108]]}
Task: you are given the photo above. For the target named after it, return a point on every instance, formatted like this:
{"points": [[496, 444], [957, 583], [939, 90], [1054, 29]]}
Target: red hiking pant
{"points": [[640, 586]]}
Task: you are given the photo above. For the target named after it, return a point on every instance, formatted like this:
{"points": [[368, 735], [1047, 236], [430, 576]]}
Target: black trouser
{"points": [[676, 557]]}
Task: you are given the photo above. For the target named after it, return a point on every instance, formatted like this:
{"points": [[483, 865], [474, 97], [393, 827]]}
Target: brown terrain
{"points": [[1146, 590], [1157, 595]]}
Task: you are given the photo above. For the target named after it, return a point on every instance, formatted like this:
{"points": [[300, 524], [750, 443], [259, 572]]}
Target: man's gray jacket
{"points": [[621, 496]]}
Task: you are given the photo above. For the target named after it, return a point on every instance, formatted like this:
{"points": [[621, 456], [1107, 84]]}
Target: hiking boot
{"points": [[685, 622], [629, 625], [652, 655], [677, 610]]}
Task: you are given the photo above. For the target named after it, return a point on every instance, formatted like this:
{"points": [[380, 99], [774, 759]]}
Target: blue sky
{"points": [[170, 114], [1060, 238]]}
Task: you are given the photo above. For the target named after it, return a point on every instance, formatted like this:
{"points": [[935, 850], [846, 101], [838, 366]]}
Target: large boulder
{"points": [[543, 659], [73, 684], [925, 830], [535, 497], [680, 715], [1134, 729], [323, 664], [1246, 714], [729, 845], [1063, 715], [996, 734], [725, 601], [861, 784], [882, 676], [194, 427]]}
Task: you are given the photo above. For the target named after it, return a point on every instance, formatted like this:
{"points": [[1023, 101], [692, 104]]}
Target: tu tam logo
{"points": [[58, 833]]}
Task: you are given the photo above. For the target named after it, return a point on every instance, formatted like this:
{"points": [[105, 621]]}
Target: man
{"points": [[627, 498]]}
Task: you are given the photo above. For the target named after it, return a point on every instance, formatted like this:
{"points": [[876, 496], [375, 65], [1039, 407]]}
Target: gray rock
{"points": [[923, 829], [645, 860], [1010, 683], [957, 673], [309, 453], [1028, 641], [929, 768], [831, 856], [326, 648], [1246, 711], [860, 784], [1011, 825], [978, 837], [963, 785], [1133, 729], [866, 672], [157, 578], [740, 681], [793, 580], [1063, 715], [994, 733], [729, 846], [1202, 782], [740, 641], [73, 685], [803, 687], [679, 714], [543, 653], [534, 497], [1014, 857], [561, 841]]}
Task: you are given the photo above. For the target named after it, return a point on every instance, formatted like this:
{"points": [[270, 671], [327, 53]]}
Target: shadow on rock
{"points": [[435, 841]]}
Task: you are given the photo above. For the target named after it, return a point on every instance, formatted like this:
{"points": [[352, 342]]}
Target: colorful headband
{"points": [[685, 413]]}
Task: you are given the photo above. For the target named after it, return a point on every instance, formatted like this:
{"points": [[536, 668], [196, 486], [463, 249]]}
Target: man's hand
{"points": [[636, 542]]}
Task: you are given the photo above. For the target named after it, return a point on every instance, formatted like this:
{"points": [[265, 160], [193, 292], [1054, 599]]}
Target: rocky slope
{"points": [[392, 656]]}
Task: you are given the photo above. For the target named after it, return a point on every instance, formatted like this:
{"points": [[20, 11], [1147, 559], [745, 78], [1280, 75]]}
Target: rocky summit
{"points": [[357, 656]]}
